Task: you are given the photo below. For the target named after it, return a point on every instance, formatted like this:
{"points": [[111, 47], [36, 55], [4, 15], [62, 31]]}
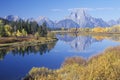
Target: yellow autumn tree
{"points": [[115, 28], [98, 29], [24, 33], [8, 30], [37, 35], [18, 33]]}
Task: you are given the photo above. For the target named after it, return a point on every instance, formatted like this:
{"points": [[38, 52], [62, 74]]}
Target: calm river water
{"points": [[15, 63]]}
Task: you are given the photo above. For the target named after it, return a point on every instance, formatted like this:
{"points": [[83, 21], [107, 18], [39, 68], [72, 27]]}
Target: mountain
{"points": [[12, 18], [118, 21], [66, 23], [77, 18], [30, 20], [40, 20], [85, 20], [114, 22]]}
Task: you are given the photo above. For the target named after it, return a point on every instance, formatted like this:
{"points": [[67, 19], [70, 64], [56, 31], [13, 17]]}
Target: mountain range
{"points": [[85, 20], [77, 18]]}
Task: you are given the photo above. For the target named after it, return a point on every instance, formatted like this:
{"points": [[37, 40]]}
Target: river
{"points": [[15, 63]]}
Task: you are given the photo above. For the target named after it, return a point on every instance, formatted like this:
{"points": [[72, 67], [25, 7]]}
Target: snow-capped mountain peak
{"points": [[77, 18], [81, 17], [78, 13], [31, 19], [41, 19], [12, 18]]}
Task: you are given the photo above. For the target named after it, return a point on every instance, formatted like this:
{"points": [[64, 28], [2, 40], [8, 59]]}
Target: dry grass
{"points": [[74, 60], [4, 40], [105, 66]]}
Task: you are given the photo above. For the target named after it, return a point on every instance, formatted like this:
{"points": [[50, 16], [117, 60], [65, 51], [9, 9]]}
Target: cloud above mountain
{"points": [[94, 9], [74, 9]]}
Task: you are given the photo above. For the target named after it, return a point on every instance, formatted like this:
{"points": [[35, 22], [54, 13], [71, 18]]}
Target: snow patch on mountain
{"points": [[40, 20], [12, 18], [67, 23], [81, 17]]}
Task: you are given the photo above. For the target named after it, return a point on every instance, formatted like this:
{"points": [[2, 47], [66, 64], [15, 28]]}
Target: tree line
{"points": [[22, 28], [112, 29]]}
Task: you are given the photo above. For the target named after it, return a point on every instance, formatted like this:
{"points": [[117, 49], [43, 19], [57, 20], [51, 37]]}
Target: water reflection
{"points": [[2, 54], [83, 42], [26, 50], [77, 42], [66, 46]]}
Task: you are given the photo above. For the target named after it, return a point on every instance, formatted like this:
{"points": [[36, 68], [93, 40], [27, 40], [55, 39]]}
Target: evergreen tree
{"points": [[8, 28], [45, 28], [2, 30], [42, 30]]}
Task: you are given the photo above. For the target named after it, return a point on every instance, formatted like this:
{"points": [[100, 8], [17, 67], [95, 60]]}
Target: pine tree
{"points": [[2, 30]]}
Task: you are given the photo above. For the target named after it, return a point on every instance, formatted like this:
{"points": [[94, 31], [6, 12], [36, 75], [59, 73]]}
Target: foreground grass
{"points": [[105, 66]]}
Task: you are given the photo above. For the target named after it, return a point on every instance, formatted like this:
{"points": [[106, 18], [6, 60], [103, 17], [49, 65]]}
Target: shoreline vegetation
{"points": [[25, 32], [19, 41], [36, 40], [83, 33], [18, 33], [104, 66]]}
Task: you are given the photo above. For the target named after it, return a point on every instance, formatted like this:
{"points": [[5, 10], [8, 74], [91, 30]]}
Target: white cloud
{"points": [[56, 10], [94, 9], [87, 9]]}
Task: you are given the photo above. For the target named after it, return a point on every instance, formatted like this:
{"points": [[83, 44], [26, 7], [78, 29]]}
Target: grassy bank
{"points": [[18, 41], [87, 33], [105, 66]]}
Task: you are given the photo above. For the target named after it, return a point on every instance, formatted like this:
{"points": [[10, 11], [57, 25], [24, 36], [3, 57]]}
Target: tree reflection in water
{"points": [[2, 54], [26, 50]]}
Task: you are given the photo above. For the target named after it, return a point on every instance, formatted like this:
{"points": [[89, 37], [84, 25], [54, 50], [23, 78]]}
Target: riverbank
{"points": [[105, 66], [20, 41], [86, 33]]}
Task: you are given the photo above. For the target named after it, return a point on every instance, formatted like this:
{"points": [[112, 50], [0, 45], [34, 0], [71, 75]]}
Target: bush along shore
{"points": [[105, 66]]}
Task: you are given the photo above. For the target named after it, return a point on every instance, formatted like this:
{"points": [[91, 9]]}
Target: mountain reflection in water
{"points": [[81, 43], [51, 55], [78, 43]]}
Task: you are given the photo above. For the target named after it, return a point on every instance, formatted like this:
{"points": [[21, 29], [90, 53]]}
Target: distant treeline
{"points": [[22, 28], [112, 29]]}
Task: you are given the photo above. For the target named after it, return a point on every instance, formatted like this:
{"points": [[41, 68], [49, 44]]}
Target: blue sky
{"points": [[58, 9]]}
